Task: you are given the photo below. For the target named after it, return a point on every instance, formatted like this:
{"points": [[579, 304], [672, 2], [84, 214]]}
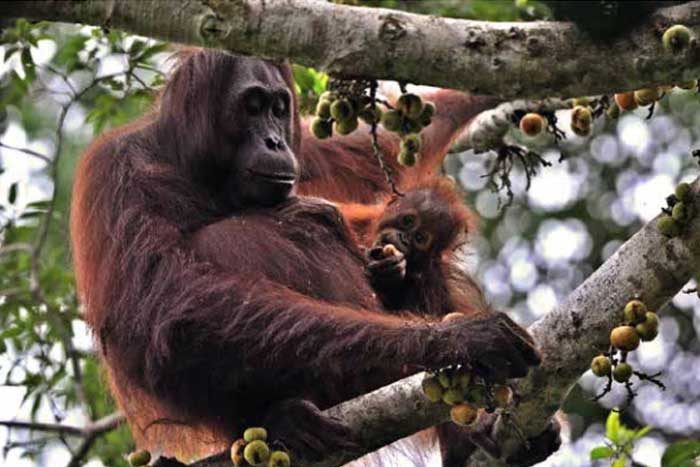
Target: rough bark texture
{"points": [[489, 128], [524, 60]]}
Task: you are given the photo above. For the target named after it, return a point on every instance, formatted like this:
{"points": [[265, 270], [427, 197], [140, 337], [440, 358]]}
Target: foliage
{"points": [[43, 93], [620, 441], [682, 454], [309, 85]]}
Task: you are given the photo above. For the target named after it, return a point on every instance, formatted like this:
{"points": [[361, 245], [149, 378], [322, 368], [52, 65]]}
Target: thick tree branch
{"points": [[488, 130], [649, 266], [524, 60]]}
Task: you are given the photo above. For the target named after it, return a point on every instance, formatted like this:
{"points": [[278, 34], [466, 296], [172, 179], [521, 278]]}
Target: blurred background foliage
{"points": [[62, 85]]}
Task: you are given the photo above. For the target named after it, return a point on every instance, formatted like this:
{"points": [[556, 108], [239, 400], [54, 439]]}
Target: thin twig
{"points": [[48, 427], [14, 248], [83, 448], [91, 433], [64, 77], [375, 145], [28, 152]]}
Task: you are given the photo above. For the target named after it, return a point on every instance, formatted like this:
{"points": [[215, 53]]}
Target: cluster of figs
{"points": [[640, 324], [341, 113], [465, 393]]}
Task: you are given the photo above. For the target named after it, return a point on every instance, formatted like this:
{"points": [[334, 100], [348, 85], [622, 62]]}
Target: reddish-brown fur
{"points": [[434, 285], [211, 320]]}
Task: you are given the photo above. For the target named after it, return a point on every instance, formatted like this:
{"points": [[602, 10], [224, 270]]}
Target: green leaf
{"points": [[115, 37], [681, 454], [28, 65], [153, 50], [115, 85], [9, 333], [642, 431], [136, 47], [44, 204], [620, 462], [612, 427], [11, 50], [625, 435], [23, 27], [31, 214], [602, 452], [12, 197], [303, 77], [9, 36], [67, 55], [15, 91]]}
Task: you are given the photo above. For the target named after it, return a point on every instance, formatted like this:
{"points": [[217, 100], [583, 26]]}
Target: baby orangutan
{"points": [[411, 261], [412, 266]]}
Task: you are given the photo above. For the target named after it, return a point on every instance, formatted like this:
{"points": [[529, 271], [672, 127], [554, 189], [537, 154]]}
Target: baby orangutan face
{"points": [[421, 225]]}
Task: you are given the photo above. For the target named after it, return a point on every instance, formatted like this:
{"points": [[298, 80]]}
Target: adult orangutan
{"points": [[221, 300]]}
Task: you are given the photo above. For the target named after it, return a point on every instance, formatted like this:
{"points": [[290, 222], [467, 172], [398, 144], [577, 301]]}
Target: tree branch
{"points": [[27, 151], [377, 419], [48, 427], [524, 60], [649, 266], [95, 428], [488, 129]]}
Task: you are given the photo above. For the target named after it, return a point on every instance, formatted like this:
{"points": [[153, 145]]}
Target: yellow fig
{"points": [[432, 389], [252, 434], [624, 338], [256, 452], [622, 372], [139, 458], [464, 414], [676, 38], [532, 124], [601, 366], [279, 459]]}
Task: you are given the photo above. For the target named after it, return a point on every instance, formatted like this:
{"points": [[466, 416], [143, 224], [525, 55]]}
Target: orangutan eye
{"points": [[280, 107], [408, 220], [255, 100], [422, 239]]}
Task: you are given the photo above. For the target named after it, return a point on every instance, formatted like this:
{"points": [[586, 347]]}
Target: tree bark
{"points": [[523, 60]]}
